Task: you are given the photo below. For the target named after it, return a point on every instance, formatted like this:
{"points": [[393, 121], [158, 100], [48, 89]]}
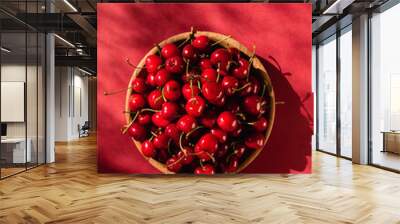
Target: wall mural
{"points": [[215, 88]]}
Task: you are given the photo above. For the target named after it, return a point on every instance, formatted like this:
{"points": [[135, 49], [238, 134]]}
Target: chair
{"points": [[84, 130]]}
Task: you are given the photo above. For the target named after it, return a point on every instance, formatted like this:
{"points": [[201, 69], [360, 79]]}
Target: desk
{"points": [[13, 150]]}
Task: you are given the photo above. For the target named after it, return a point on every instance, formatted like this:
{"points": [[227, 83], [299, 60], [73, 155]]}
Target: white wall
{"points": [[71, 102]]}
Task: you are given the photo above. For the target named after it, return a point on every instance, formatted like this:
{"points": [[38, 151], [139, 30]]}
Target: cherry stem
{"points": [[116, 91], [153, 134], [134, 66], [241, 88], [177, 161], [263, 90], [158, 48], [193, 130], [212, 157], [201, 164], [198, 84], [218, 71], [241, 116], [130, 123], [149, 109], [219, 41], [180, 141], [191, 87], [169, 146], [251, 61]]}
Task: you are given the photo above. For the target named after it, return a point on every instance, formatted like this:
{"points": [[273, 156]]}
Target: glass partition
{"points": [[385, 89], [327, 96]]}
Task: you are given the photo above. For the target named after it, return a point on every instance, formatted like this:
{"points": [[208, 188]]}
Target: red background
{"points": [[282, 35]]}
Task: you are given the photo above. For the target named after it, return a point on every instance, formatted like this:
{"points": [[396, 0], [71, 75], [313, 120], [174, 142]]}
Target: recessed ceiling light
{"points": [[70, 5], [64, 40]]}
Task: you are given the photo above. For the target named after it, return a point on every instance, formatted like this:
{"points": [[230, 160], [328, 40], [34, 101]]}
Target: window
{"points": [[385, 89], [327, 96]]}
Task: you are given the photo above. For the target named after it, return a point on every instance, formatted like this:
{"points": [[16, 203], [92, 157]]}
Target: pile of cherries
{"points": [[198, 107]]}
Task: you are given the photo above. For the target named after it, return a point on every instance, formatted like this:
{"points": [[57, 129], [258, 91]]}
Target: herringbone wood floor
{"points": [[71, 191]]}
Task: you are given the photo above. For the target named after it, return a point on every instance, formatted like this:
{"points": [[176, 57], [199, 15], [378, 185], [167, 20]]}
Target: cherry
{"points": [[173, 132], [212, 91], [220, 102], [136, 102], [238, 131], [186, 155], [252, 105], [172, 90], [229, 84], [234, 52], [209, 75], [205, 63], [186, 123], [200, 42], [169, 50], [159, 120], [255, 85], [173, 164], [143, 118], [162, 155], [233, 106], [255, 141], [139, 85], [208, 120], [227, 121], [155, 99], [264, 105], [261, 124], [161, 141], [205, 170], [242, 70], [151, 80], [189, 53], [162, 76], [202, 154], [221, 135], [195, 106], [208, 142], [148, 149], [222, 150], [174, 64], [169, 110], [233, 165], [239, 150], [222, 57], [189, 92], [152, 63], [137, 131]]}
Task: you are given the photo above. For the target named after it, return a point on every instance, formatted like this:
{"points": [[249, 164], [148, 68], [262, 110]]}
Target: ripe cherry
{"points": [[144, 118], [255, 85], [233, 106], [221, 135], [138, 132], [239, 150], [242, 71], [202, 154], [208, 142], [186, 123], [261, 124], [172, 90], [233, 165], [229, 85], [169, 50], [136, 102], [222, 57], [195, 106], [174, 164], [227, 121], [161, 141], [159, 120], [169, 110], [205, 170], [200, 42], [162, 76], [139, 85], [174, 65], [155, 99], [173, 132], [212, 91], [252, 105], [222, 150], [151, 80], [255, 141], [209, 75], [186, 155], [205, 63], [152, 63], [189, 53], [190, 91], [238, 131], [148, 149], [208, 121]]}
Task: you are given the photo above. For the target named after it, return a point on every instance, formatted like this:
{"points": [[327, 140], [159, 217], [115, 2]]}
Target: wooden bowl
{"points": [[226, 42]]}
